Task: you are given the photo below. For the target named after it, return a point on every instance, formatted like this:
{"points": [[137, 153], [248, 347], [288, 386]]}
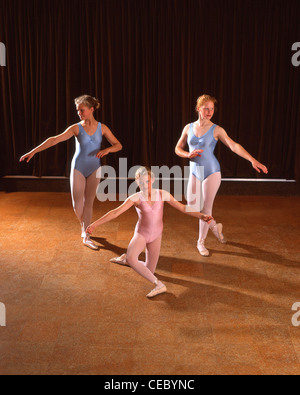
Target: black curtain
{"points": [[148, 61]]}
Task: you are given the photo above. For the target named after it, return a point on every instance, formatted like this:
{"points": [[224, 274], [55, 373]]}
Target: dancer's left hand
{"points": [[90, 229], [258, 167], [207, 218], [103, 153]]}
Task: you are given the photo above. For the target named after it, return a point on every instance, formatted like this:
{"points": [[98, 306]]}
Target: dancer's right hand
{"points": [[28, 156], [195, 153]]}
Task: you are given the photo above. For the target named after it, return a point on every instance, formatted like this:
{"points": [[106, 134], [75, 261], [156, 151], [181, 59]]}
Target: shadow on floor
{"points": [[222, 277]]}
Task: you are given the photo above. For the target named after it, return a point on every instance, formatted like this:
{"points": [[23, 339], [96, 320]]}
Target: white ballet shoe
{"points": [[158, 290], [120, 260], [202, 249], [217, 231], [88, 243]]}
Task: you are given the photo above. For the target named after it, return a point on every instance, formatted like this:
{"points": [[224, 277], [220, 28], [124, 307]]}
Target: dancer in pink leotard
{"points": [[149, 204], [150, 224]]}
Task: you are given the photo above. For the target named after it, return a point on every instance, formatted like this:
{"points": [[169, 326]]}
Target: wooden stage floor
{"points": [[70, 311]]}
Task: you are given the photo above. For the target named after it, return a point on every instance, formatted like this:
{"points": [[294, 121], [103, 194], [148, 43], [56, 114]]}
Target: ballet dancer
{"points": [[86, 164], [149, 204], [201, 137]]}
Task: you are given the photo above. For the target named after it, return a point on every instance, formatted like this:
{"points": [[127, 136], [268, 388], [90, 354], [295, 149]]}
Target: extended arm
{"points": [[239, 150], [111, 215], [167, 197], [50, 142]]}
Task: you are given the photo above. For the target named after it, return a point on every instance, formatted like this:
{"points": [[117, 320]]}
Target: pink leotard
{"points": [[150, 223]]}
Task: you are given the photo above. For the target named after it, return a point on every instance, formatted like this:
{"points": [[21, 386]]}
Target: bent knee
{"points": [[132, 259], [129, 259]]}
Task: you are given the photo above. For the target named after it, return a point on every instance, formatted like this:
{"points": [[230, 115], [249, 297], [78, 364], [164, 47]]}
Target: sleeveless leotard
{"points": [[87, 147], [150, 223], [207, 162]]}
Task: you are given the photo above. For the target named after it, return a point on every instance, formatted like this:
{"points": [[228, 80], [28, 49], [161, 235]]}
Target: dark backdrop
{"points": [[148, 61]]}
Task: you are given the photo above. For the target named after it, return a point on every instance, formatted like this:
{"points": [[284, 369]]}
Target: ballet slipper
{"points": [[158, 290], [121, 260], [217, 231], [202, 249], [89, 243]]}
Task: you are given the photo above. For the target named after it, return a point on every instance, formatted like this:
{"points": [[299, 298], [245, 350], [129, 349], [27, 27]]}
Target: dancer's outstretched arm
{"points": [[113, 214], [239, 150], [50, 142], [167, 197]]}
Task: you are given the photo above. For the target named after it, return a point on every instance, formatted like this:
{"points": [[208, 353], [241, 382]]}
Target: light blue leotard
{"points": [[207, 161], [87, 147]]}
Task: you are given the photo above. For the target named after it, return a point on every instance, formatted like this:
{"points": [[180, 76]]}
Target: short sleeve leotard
{"points": [[206, 165], [87, 147], [150, 223]]}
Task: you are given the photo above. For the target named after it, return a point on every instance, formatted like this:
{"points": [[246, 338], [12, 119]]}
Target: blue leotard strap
{"points": [[206, 165]]}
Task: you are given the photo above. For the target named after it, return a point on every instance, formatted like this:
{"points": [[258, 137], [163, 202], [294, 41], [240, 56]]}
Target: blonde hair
{"points": [[204, 99], [88, 101], [144, 171]]}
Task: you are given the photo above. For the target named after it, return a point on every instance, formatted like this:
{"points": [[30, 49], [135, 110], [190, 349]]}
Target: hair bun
{"points": [[97, 104], [88, 101]]}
